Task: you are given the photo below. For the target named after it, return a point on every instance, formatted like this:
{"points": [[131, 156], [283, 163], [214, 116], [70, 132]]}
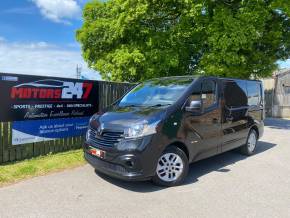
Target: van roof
{"points": [[178, 77], [200, 76], [230, 78]]}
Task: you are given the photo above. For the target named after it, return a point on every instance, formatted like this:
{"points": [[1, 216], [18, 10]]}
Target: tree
{"points": [[132, 40]]}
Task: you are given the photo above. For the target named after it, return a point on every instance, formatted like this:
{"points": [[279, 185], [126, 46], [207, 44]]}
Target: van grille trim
{"points": [[107, 138]]}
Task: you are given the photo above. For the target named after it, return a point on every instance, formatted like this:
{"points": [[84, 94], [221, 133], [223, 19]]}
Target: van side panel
{"points": [[202, 130], [243, 109], [221, 128], [234, 119]]}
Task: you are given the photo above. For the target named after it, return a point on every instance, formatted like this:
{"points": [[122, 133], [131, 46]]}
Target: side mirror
{"points": [[194, 106]]}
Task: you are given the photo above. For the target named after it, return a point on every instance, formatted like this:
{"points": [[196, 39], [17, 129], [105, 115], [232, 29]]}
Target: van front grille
{"points": [[106, 138]]}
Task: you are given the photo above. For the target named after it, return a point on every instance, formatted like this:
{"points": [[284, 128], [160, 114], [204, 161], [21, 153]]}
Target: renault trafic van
{"points": [[162, 125]]}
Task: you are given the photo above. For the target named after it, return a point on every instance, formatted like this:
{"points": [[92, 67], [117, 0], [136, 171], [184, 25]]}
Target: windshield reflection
{"points": [[156, 92]]}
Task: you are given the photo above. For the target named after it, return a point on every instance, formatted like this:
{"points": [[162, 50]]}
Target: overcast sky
{"points": [[38, 37]]}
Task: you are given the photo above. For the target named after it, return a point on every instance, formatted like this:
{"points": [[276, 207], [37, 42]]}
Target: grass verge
{"points": [[17, 171]]}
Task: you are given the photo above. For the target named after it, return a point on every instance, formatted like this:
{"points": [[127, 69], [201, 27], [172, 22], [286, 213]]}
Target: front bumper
{"points": [[114, 170], [126, 165]]}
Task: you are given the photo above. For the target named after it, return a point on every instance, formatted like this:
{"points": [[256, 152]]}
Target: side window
{"points": [[254, 93], [235, 93], [208, 93]]}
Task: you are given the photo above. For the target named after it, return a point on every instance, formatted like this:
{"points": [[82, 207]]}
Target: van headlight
{"points": [[133, 144], [94, 118], [88, 135], [140, 130], [130, 144]]}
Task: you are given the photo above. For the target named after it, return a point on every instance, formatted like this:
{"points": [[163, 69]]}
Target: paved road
{"points": [[228, 185]]}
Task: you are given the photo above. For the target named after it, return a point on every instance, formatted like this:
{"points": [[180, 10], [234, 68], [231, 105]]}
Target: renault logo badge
{"points": [[100, 129]]}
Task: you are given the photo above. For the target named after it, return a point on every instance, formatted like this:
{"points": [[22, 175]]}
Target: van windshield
{"points": [[156, 92]]}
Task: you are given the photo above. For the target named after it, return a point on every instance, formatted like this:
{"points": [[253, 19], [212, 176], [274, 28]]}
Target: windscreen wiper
{"points": [[131, 105], [159, 105]]}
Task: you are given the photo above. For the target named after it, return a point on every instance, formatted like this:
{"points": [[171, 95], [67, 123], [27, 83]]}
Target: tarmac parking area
{"points": [[228, 185]]}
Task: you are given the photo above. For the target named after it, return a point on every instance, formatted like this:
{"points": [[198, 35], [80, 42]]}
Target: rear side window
{"points": [[254, 93], [235, 93]]}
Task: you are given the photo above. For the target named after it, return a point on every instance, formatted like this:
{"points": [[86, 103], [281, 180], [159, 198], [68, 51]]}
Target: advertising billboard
{"points": [[26, 97], [44, 130]]}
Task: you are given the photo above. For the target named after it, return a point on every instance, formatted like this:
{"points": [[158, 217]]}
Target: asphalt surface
{"points": [[228, 185]]}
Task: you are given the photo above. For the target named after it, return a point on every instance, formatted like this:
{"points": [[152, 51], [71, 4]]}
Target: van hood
{"points": [[120, 118]]}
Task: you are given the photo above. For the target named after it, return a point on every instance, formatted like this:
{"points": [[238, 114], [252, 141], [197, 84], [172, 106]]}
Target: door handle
{"points": [[229, 119]]}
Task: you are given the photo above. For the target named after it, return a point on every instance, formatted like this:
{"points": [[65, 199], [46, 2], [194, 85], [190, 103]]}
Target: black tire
{"points": [[247, 149], [172, 151]]}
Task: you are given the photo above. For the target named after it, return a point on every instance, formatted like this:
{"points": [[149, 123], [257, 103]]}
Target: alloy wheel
{"points": [[252, 142], [170, 167]]}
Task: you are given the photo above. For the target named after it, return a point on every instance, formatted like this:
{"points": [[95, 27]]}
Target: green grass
{"points": [[17, 171]]}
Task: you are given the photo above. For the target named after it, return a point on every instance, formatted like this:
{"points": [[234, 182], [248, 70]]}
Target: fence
{"points": [[108, 92]]}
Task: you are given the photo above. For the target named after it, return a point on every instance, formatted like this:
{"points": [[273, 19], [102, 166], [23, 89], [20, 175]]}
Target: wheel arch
{"points": [[255, 127], [181, 146]]}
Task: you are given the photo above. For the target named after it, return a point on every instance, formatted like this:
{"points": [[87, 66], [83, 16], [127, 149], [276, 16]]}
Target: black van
{"points": [[162, 125]]}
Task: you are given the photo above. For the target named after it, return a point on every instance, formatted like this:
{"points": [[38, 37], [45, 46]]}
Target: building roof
{"points": [[282, 72]]}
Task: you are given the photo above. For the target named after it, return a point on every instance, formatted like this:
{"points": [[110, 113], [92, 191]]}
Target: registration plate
{"points": [[97, 152]]}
